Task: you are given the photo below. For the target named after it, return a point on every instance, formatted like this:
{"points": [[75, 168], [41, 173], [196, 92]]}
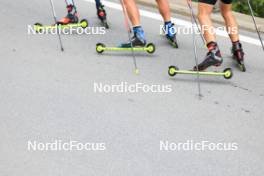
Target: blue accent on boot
{"points": [[169, 29], [139, 32]]}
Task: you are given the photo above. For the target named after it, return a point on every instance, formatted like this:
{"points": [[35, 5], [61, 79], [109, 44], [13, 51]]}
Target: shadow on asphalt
{"points": [[203, 80], [125, 54]]}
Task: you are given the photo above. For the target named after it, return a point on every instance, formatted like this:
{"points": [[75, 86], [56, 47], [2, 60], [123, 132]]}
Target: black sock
{"points": [[237, 45], [211, 45]]}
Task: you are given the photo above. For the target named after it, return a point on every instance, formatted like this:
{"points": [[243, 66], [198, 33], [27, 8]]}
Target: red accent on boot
{"points": [[69, 8], [65, 20], [211, 46], [101, 14]]}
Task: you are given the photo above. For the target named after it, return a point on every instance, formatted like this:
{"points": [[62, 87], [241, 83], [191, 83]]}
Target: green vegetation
{"points": [[242, 7]]}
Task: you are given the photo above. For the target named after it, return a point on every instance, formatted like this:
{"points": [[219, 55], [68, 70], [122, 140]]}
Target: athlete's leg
{"points": [[98, 3], [213, 57], [232, 28], [204, 17], [133, 14], [230, 21], [132, 11], [164, 9], [169, 30]]}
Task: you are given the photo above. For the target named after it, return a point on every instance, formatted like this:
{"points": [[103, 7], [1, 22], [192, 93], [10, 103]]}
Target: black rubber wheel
{"points": [[84, 23], [105, 24], [175, 45], [151, 48], [172, 69], [228, 73], [38, 25], [242, 66], [99, 47]]}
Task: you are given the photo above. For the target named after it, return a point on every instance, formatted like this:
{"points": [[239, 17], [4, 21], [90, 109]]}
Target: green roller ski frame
{"points": [[227, 73], [150, 48], [38, 27]]}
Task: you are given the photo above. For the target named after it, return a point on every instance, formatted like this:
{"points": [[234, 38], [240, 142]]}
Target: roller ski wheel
{"points": [[172, 70], [227, 73], [84, 23], [38, 27], [100, 47], [149, 48]]}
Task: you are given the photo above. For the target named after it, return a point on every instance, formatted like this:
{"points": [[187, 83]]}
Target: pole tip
{"points": [[137, 71]]}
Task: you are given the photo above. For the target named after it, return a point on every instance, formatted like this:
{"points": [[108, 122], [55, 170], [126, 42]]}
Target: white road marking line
{"points": [[177, 21]]}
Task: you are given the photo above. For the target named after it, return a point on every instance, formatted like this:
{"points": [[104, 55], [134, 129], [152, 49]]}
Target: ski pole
{"points": [[193, 16], [195, 51], [254, 20], [66, 2], [128, 27], [55, 19]]}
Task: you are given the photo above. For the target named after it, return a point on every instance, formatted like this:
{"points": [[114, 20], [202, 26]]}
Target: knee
{"points": [[202, 15], [227, 14]]}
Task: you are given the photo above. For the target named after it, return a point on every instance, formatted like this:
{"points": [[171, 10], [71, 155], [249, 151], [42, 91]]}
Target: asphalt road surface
{"points": [[48, 95]]}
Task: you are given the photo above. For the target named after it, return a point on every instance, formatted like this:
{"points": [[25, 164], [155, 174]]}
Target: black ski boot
{"points": [[213, 58], [71, 18], [138, 40], [170, 33], [238, 55], [101, 13]]}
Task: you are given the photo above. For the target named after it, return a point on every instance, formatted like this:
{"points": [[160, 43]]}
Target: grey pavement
{"points": [[46, 95]]}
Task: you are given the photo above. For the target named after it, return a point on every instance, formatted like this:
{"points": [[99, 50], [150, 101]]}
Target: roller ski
{"points": [[38, 27], [213, 58], [227, 73], [70, 21], [136, 43], [170, 33], [149, 48], [101, 13], [238, 55]]}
